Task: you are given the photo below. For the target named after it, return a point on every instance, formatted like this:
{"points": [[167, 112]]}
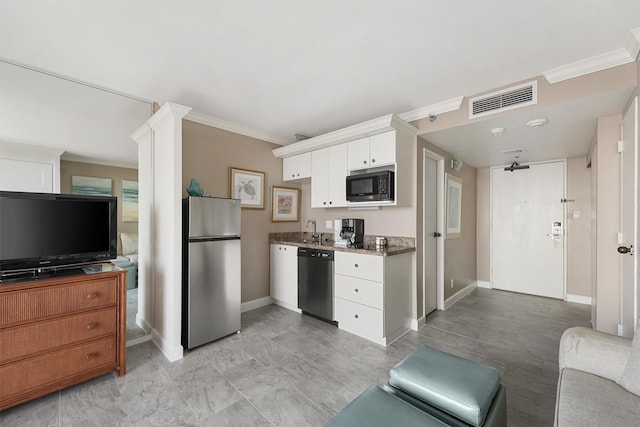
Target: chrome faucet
{"points": [[315, 237]]}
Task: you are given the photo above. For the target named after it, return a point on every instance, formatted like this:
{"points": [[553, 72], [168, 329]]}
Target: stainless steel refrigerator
{"points": [[210, 269]]}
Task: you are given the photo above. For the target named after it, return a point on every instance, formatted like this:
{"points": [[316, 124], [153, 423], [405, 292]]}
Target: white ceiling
{"points": [[283, 67]]}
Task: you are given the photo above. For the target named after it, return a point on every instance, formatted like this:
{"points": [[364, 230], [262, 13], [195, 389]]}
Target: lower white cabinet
{"points": [[284, 275], [373, 295]]}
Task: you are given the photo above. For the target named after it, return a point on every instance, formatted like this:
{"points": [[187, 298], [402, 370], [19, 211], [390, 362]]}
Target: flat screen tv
{"points": [[41, 232]]}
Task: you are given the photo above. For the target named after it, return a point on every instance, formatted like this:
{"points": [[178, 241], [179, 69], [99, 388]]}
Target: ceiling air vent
{"points": [[506, 99]]}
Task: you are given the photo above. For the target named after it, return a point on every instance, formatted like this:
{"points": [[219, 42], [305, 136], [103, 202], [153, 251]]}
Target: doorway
{"points": [[527, 229], [432, 230]]}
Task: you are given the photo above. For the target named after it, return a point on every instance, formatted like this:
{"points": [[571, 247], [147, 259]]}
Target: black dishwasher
{"points": [[315, 283]]}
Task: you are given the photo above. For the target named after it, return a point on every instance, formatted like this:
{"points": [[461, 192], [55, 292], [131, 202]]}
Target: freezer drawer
{"points": [[212, 291]]}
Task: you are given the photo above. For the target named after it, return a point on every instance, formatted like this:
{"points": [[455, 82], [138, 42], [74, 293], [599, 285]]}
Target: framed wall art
{"points": [[129, 201], [248, 186], [91, 186], [285, 204], [454, 206]]}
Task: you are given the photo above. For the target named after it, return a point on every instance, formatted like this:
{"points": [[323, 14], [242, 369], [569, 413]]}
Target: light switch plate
{"points": [[328, 224], [576, 214]]}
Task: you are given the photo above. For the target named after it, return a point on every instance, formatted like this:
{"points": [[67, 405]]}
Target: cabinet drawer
{"points": [[35, 338], [362, 291], [358, 265], [41, 303], [359, 319], [50, 369]]}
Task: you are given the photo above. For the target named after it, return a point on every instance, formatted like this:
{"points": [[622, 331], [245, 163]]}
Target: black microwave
{"points": [[371, 187]]}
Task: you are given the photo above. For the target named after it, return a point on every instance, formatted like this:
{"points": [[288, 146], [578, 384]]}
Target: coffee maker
{"points": [[353, 231]]}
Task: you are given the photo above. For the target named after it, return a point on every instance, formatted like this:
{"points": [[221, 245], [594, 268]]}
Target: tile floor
{"points": [[285, 369]]}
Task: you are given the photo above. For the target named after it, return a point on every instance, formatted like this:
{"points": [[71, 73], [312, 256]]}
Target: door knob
{"points": [[625, 249], [436, 234]]}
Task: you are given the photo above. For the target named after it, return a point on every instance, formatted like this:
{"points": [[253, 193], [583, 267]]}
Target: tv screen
{"points": [[39, 230]]}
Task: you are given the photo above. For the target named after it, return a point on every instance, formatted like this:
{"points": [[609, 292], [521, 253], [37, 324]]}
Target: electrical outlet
{"points": [[451, 283], [328, 224]]}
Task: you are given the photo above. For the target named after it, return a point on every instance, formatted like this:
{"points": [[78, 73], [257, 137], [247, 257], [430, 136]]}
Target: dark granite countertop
{"points": [[304, 240]]}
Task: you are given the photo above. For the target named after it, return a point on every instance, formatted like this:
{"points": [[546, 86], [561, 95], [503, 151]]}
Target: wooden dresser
{"points": [[60, 331]]}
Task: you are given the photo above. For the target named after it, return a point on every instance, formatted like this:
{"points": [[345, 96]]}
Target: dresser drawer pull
{"points": [[90, 356], [92, 295], [356, 316], [91, 325]]}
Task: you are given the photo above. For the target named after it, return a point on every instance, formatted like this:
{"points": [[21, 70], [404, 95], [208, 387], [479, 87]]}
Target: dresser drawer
{"points": [[34, 338], [359, 319], [49, 301], [51, 369], [362, 291], [368, 267]]}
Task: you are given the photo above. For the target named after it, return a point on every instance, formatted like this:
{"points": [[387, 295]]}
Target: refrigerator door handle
{"points": [[212, 238]]}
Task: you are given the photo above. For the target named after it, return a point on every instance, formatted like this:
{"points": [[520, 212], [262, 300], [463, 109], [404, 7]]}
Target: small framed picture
{"points": [[285, 204], [248, 186], [454, 206]]}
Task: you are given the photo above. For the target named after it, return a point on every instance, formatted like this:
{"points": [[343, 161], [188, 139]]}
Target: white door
{"points": [[431, 234], [629, 211], [527, 229]]}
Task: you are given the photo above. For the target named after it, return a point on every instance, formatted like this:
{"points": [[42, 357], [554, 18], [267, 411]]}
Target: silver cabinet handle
{"points": [[356, 289], [356, 265], [356, 316]]}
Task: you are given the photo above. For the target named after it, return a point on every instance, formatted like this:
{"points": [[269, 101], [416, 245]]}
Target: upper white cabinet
{"points": [[27, 168], [328, 177], [372, 151], [296, 167]]}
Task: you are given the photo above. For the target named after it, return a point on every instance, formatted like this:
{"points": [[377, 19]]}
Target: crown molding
{"points": [[433, 109], [597, 63], [361, 130], [204, 119], [167, 111]]}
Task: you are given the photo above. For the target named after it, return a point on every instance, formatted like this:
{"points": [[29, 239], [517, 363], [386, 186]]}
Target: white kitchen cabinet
{"points": [[372, 296], [284, 275], [296, 167], [27, 168], [328, 177], [372, 151]]}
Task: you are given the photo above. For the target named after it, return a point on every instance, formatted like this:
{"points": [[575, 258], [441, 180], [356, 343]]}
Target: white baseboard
{"points": [[138, 340], [459, 295], [256, 303], [483, 284], [285, 305], [142, 323], [578, 299], [417, 324], [171, 352]]}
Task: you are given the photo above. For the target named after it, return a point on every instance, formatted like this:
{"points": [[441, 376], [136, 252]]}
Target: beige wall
{"points": [[578, 230], [69, 169], [606, 166], [207, 154]]}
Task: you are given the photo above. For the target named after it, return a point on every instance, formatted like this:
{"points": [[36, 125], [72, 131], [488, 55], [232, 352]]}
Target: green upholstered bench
{"points": [[458, 391], [431, 388], [131, 272]]}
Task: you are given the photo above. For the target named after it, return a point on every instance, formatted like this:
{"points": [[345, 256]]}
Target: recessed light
{"points": [[537, 123], [497, 131]]}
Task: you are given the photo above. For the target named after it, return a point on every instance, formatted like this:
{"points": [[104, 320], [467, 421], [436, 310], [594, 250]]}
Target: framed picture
{"points": [[129, 201], [248, 186], [285, 204], [454, 206], [91, 186]]}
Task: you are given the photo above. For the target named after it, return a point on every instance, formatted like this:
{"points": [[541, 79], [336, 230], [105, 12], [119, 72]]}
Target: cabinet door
{"points": [[320, 178], [358, 153], [337, 185], [382, 148], [284, 274], [296, 167]]}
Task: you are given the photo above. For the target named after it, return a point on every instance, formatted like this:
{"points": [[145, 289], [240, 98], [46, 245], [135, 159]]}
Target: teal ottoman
{"points": [[458, 391], [376, 408], [131, 272]]}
